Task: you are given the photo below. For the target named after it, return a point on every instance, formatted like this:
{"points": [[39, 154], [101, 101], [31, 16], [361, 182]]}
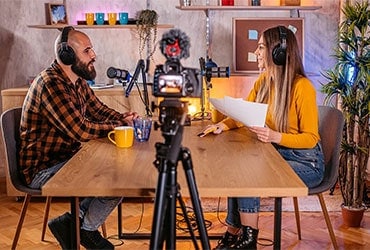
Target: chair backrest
{"points": [[331, 122], [10, 122]]}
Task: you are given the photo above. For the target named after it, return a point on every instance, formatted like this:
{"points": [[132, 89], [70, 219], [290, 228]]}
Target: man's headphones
{"points": [[65, 52], [279, 51]]}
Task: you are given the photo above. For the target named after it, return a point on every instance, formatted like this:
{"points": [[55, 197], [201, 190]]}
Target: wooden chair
{"points": [[331, 122], [10, 121]]}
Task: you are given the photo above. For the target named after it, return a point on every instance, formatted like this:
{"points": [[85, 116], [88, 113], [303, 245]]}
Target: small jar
{"points": [[256, 2], [227, 2], [185, 2]]}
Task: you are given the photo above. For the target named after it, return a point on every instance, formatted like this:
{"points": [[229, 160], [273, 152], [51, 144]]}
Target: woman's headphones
{"points": [[279, 51], [65, 52]]}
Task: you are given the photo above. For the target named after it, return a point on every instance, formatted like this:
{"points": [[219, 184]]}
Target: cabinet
{"points": [[112, 97]]}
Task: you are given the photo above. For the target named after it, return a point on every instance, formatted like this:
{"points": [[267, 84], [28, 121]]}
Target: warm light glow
{"points": [[192, 109]]}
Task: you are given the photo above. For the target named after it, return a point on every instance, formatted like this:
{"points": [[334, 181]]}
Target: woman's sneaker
{"points": [[227, 241], [247, 240]]}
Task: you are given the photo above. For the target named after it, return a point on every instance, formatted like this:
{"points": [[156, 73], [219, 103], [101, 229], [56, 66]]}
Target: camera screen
{"points": [[170, 83]]}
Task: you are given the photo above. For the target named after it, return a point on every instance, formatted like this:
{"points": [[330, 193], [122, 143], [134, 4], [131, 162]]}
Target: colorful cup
{"points": [[99, 18], [142, 128], [89, 18], [112, 18], [123, 17], [123, 136]]}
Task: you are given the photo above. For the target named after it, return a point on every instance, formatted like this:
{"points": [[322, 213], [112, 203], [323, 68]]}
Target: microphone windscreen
{"points": [[111, 72]]}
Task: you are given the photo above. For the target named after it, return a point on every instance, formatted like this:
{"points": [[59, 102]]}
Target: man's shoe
{"points": [[94, 240], [61, 228]]}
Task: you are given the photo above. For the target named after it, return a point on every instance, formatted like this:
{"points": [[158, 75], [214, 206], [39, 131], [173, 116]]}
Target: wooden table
{"points": [[112, 97], [233, 163]]}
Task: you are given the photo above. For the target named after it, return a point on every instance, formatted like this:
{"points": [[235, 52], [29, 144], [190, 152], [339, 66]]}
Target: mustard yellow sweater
{"points": [[303, 115]]}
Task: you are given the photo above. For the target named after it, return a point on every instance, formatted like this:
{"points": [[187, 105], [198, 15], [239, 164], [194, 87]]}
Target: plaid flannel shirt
{"points": [[57, 116]]}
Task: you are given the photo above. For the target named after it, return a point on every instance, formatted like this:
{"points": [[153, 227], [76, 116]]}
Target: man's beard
{"points": [[82, 70]]}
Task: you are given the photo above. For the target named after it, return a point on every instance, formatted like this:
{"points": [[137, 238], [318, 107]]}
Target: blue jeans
{"points": [[93, 210], [307, 163]]}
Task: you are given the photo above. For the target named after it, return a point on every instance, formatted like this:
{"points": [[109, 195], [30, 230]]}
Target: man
{"points": [[59, 112]]}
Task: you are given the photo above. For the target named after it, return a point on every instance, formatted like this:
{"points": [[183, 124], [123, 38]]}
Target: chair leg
{"points": [[297, 217], [46, 217], [327, 220], [104, 230], [26, 201], [333, 188]]}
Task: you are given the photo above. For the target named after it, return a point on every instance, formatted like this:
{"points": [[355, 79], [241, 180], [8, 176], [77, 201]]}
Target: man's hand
{"points": [[129, 118]]}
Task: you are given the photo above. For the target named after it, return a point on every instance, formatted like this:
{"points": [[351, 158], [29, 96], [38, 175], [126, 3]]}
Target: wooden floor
{"points": [[314, 231]]}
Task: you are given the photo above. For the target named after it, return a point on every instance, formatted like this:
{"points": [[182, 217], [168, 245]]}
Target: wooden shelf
{"points": [[236, 8], [126, 26]]}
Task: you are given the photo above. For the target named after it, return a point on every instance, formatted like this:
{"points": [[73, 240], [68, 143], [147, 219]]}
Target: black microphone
{"points": [[118, 73]]}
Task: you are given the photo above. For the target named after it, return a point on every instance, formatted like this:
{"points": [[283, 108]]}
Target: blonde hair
{"points": [[278, 83]]}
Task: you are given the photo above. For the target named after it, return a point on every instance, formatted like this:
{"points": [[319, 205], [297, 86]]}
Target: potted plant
{"points": [[146, 24], [348, 82]]}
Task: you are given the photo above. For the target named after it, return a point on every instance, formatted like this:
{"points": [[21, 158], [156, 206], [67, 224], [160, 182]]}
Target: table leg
{"points": [[277, 223], [119, 219], [75, 226]]}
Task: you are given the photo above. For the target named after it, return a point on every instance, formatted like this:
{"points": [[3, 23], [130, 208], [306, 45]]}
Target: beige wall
{"points": [[26, 51]]}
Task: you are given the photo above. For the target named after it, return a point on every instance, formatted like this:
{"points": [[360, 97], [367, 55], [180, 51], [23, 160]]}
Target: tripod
{"points": [[167, 193]]}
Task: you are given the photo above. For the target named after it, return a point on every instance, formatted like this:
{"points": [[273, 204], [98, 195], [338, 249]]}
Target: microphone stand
{"points": [[204, 114], [140, 67]]}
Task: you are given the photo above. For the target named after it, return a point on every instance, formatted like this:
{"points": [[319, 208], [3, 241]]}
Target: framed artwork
{"points": [[246, 33], [56, 14]]}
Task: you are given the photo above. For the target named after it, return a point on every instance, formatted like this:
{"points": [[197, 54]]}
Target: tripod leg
{"points": [[160, 207], [191, 231], [171, 209], [190, 178]]}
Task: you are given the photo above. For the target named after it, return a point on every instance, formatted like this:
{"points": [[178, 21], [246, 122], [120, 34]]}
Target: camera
{"points": [[172, 79]]}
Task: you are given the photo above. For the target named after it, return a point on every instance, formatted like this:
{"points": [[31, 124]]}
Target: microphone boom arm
{"points": [[140, 67]]}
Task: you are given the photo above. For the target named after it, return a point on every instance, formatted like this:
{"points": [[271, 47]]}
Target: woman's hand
{"points": [[265, 134], [214, 128], [129, 118]]}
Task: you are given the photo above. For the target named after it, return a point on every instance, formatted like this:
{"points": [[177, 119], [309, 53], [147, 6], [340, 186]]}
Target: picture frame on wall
{"points": [[56, 14], [246, 33]]}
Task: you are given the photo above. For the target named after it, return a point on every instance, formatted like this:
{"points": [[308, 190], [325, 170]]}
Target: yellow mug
{"points": [[112, 18], [89, 18], [123, 136]]}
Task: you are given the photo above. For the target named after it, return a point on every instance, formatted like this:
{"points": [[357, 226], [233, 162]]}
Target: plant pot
{"points": [[352, 217]]}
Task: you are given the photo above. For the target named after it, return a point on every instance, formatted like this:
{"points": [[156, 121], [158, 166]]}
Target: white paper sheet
{"points": [[248, 113]]}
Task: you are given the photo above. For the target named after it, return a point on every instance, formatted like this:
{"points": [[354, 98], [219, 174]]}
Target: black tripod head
{"points": [[172, 115]]}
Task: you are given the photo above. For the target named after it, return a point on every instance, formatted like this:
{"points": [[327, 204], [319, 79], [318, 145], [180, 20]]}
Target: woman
{"points": [[291, 126]]}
